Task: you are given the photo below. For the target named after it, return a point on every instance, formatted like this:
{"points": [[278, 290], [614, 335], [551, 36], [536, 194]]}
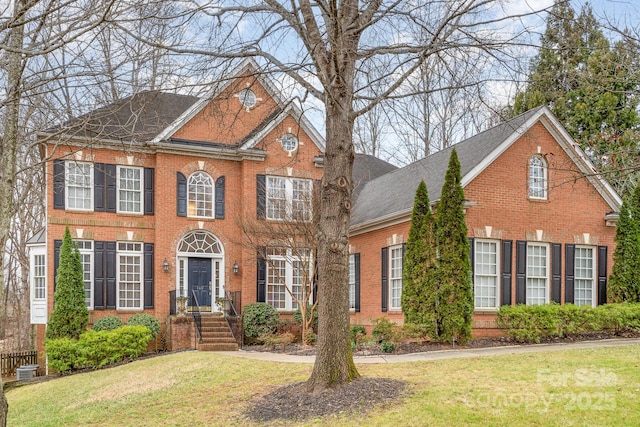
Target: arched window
{"points": [[200, 195], [200, 242], [537, 178]]}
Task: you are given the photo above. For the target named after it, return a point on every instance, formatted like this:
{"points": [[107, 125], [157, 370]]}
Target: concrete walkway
{"points": [[441, 354]]}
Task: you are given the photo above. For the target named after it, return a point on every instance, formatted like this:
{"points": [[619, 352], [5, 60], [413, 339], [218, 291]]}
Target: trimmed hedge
{"points": [[144, 319], [259, 319], [96, 349], [107, 323], [534, 322]]}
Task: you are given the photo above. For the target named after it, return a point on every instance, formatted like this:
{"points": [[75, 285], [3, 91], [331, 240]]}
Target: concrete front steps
{"points": [[216, 334]]}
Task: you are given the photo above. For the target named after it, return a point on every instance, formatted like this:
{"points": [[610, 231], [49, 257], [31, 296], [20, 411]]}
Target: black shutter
{"points": [[385, 278], [505, 290], [110, 183], [58, 184], [569, 283], [556, 271], [148, 275], [602, 275], [148, 191], [98, 275], [472, 251], [98, 187], [521, 272], [181, 192], [356, 262], [110, 273], [261, 196], [261, 295], [220, 197], [56, 260]]}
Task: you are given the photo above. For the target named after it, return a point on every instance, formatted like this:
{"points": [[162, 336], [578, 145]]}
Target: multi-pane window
{"points": [[129, 190], [39, 277], [584, 276], [485, 288], [352, 282], [288, 199], [395, 277], [86, 258], [129, 275], [288, 272], [200, 195], [537, 178], [537, 273], [79, 185]]}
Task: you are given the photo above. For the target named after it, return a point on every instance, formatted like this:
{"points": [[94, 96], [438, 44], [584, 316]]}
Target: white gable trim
{"points": [[562, 137], [251, 65]]}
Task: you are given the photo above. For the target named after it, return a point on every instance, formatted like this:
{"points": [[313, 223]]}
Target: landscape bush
{"points": [[387, 346], [144, 319], [96, 349], [358, 333], [259, 319], [61, 353], [386, 330], [297, 316], [533, 323], [107, 323]]}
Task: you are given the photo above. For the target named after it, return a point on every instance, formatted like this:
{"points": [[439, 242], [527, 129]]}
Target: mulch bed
{"points": [[294, 402]]}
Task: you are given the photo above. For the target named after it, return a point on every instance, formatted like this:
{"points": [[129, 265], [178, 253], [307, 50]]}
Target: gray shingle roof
{"points": [[367, 167], [394, 193], [136, 118]]}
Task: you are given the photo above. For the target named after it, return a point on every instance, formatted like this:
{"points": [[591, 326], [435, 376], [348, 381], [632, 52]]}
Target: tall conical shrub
{"points": [[624, 282], [419, 285], [455, 291], [70, 316]]}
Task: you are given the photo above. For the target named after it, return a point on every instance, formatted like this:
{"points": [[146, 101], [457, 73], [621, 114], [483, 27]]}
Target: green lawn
{"points": [[579, 387]]}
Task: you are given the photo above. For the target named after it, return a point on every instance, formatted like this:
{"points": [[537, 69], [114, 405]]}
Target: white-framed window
{"points": [[39, 277], [288, 272], [85, 247], [130, 271], [537, 273], [247, 98], [288, 199], [130, 187], [486, 274], [352, 282], [584, 276], [395, 277], [537, 178], [289, 142], [200, 195], [79, 186]]}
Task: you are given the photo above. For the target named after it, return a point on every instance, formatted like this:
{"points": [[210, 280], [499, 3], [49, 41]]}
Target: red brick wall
{"points": [[500, 197]]}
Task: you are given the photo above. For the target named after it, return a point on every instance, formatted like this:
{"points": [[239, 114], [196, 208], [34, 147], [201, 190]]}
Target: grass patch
{"points": [[577, 387]]}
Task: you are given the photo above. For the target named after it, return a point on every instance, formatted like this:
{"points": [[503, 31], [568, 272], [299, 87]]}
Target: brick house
{"points": [[541, 224], [154, 189]]}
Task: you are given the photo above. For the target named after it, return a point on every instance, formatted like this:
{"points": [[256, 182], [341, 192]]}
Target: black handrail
{"points": [[231, 315], [197, 316]]}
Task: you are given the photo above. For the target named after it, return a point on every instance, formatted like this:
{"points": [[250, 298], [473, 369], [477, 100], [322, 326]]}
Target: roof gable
{"points": [[391, 196]]}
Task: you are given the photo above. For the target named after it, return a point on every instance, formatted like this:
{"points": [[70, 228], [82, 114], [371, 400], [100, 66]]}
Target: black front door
{"points": [[200, 282]]}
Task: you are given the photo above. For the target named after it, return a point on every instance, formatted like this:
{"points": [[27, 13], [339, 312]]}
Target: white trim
{"points": [[135, 253], [141, 191], [497, 274], [66, 185], [547, 267], [288, 259], [392, 278], [91, 253], [545, 178], [594, 278], [213, 197], [39, 308]]}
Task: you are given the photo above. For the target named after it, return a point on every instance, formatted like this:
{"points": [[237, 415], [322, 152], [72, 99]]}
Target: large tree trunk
{"points": [[8, 152], [334, 361]]}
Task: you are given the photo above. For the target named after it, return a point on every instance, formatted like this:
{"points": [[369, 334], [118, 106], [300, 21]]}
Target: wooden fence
{"points": [[10, 361]]}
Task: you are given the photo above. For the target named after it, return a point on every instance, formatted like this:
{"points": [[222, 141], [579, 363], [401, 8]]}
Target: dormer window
{"points": [[537, 178]]}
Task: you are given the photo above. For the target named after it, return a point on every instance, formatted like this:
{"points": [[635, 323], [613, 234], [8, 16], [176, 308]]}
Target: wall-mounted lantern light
{"points": [[165, 266], [236, 267]]}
